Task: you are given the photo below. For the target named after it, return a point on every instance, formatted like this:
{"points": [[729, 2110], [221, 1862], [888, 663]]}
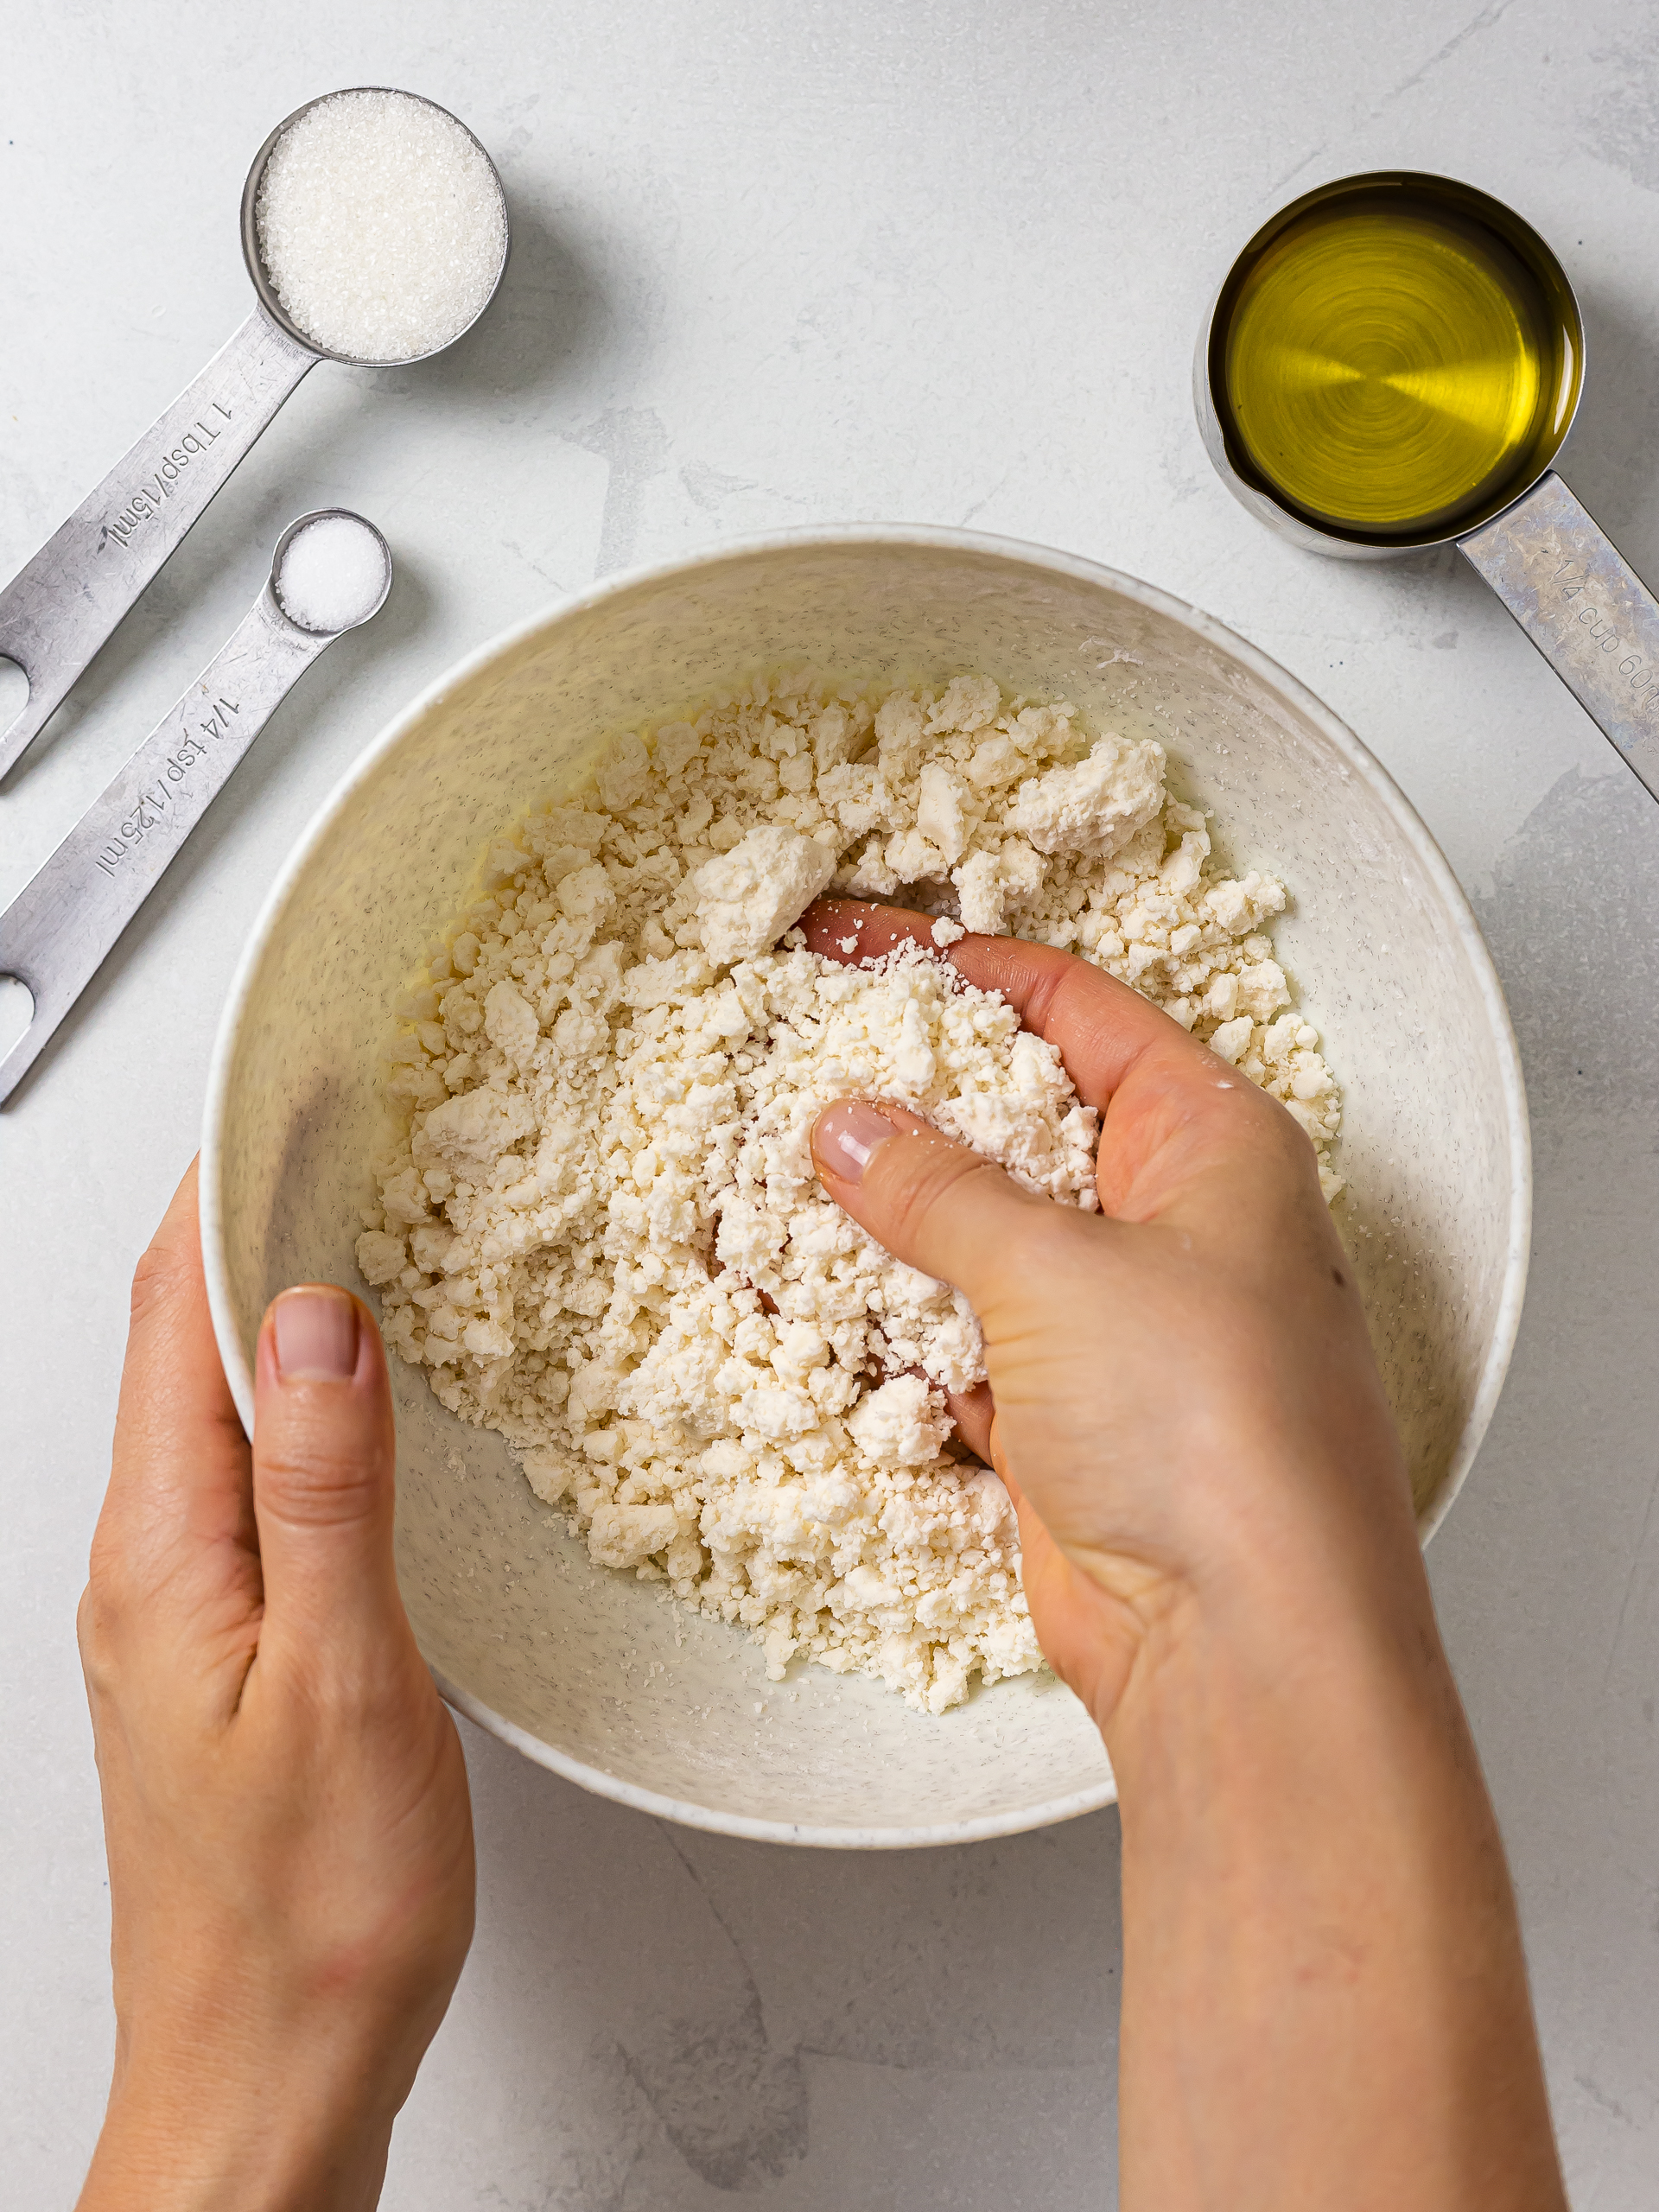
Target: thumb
{"points": [[934, 1204], [323, 1461]]}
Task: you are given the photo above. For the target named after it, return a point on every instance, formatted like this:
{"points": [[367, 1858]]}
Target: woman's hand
{"points": [[1182, 1394], [1324, 1999], [285, 1801]]}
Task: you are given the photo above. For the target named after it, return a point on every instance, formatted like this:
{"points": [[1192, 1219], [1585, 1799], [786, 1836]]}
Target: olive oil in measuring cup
{"points": [[1392, 361]]}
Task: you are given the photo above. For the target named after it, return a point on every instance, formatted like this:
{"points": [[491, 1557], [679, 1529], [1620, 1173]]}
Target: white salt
{"points": [[333, 575], [381, 225]]}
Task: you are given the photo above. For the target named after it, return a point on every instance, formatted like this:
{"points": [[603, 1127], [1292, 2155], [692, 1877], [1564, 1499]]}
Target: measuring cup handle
{"points": [[55, 934], [57, 612], [1586, 609]]}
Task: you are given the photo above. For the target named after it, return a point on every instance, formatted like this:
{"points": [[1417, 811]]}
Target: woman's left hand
{"points": [[285, 1801]]}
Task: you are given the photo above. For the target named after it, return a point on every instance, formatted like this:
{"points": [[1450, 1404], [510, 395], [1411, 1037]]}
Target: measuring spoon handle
{"points": [[55, 934], [1586, 609], [59, 608]]}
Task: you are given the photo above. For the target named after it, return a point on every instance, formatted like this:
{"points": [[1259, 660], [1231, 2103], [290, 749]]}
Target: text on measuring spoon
{"points": [[156, 490], [156, 804]]}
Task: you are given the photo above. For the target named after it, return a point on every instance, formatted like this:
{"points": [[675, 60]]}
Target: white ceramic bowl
{"points": [[598, 1675]]}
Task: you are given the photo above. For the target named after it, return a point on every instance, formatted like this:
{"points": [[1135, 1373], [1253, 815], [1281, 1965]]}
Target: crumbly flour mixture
{"points": [[599, 1228]]}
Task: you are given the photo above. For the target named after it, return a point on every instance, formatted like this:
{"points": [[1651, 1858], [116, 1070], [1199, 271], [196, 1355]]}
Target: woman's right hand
{"points": [[1181, 1386], [1325, 1998]]}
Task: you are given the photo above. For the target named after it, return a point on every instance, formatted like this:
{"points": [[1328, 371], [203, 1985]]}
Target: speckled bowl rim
{"points": [[879, 536]]}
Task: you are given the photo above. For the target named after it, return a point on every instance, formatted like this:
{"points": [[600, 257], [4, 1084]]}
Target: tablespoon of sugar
{"points": [[375, 230], [331, 572]]}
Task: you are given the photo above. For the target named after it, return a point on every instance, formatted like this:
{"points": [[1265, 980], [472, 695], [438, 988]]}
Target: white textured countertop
{"points": [[782, 261]]}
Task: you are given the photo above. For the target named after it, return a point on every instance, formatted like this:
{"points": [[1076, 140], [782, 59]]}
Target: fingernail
{"points": [[845, 1137], [314, 1330]]}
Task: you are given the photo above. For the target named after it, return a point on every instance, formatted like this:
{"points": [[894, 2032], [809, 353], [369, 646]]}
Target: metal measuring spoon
{"points": [[1560, 575], [56, 933], [57, 611]]}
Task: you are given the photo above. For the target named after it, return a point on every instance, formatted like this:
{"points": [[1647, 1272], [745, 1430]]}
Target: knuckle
{"points": [[942, 1207], [99, 1618], [948, 1175], [314, 1483], [105, 1569], [162, 1273]]}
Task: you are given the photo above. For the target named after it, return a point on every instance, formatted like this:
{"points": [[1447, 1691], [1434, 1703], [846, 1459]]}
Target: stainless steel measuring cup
{"points": [[57, 932], [58, 609], [1569, 588]]}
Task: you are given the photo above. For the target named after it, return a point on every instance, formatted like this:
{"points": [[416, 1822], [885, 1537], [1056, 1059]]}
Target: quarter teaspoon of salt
{"points": [[332, 575]]}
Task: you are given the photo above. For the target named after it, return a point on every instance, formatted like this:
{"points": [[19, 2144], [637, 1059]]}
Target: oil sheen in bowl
{"points": [[1389, 364]]}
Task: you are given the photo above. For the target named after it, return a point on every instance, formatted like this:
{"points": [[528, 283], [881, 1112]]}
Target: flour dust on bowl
{"points": [[602, 1676]]}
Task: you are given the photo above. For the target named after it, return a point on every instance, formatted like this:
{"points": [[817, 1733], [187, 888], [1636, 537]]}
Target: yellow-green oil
{"points": [[1396, 360]]}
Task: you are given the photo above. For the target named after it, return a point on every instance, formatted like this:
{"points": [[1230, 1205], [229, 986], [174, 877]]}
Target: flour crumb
{"points": [[747, 898], [599, 1228]]}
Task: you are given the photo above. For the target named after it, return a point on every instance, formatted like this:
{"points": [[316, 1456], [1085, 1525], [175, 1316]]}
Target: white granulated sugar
{"points": [[333, 573], [381, 226], [599, 1228]]}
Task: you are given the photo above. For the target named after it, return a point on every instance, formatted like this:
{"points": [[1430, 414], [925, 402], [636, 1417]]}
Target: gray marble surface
{"points": [[782, 264]]}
